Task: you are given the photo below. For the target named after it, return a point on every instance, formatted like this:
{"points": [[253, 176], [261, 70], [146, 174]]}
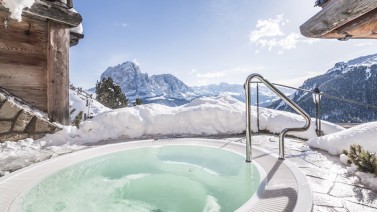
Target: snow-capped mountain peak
{"points": [[353, 80], [136, 84]]}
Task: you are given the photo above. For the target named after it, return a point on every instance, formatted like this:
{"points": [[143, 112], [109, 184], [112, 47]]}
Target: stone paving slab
{"points": [[333, 189]]}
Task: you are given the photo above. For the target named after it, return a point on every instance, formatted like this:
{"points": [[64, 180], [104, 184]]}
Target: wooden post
{"points": [[58, 73]]}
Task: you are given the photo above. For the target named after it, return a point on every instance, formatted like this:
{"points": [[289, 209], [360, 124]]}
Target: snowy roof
{"points": [[55, 10], [343, 20]]}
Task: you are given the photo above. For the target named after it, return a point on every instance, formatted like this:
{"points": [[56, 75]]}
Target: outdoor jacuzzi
{"points": [[158, 176]]}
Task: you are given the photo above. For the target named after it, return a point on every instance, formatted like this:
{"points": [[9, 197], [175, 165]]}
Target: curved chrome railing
{"points": [[293, 105]]}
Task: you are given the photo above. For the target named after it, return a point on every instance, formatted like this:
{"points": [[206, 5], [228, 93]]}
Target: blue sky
{"points": [[206, 41]]}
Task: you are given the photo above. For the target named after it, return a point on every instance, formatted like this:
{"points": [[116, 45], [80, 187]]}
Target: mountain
{"points": [[168, 90], [165, 88], [237, 91], [355, 80]]}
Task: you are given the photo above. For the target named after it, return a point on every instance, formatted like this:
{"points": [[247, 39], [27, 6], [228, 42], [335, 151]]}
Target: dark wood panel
{"points": [[21, 58], [25, 36], [19, 75], [6, 45], [58, 73]]}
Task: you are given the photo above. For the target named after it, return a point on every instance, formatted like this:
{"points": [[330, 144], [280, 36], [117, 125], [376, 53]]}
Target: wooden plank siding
{"points": [[337, 14], [58, 72], [23, 60]]}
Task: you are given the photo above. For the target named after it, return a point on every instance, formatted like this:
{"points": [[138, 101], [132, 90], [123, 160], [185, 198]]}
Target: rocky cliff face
{"points": [[355, 80], [139, 85]]}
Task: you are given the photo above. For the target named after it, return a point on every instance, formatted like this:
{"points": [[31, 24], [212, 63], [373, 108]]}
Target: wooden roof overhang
{"points": [[55, 11], [343, 20]]}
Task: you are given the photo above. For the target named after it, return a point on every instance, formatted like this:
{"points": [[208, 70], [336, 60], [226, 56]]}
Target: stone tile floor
{"points": [[333, 189]]}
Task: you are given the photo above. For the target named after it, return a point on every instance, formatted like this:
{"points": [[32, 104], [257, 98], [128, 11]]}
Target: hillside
{"points": [[355, 80]]}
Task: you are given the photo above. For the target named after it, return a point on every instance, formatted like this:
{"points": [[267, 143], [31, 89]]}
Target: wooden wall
{"points": [[58, 72], [23, 59]]}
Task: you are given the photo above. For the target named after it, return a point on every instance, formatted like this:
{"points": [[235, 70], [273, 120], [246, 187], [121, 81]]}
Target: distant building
{"points": [[34, 55]]}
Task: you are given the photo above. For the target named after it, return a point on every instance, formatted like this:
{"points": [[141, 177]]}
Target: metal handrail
{"points": [[282, 134]]}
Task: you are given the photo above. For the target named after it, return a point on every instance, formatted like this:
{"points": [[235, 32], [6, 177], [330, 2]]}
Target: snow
{"points": [[344, 159], [201, 117], [16, 7], [78, 103], [367, 61], [367, 179], [364, 135], [79, 29], [368, 74]]}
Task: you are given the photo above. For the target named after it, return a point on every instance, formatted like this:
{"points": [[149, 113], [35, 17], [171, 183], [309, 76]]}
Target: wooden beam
{"points": [[58, 73], [358, 22], [50, 11], [336, 14]]}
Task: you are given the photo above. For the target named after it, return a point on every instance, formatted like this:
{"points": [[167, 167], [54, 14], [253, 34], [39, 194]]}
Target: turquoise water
{"points": [[155, 179]]}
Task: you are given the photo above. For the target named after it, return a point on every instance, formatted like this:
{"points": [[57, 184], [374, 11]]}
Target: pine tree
{"points": [[110, 94], [138, 101]]}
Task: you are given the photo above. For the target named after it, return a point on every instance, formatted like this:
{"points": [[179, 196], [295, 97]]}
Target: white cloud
{"points": [[213, 77], [193, 71], [269, 34], [267, 28], [209, 75], [124, 24], [290, 41], [227, 72]]}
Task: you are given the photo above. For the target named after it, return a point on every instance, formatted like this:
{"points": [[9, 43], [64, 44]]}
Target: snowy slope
{"points": [[202, 116], [354, 80], [78, 102]]}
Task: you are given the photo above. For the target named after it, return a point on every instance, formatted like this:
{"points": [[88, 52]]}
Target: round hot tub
{"points": [[165, 178], [158, 175]]}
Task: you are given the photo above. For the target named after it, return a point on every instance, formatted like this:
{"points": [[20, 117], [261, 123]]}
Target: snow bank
{"points": [[16, 6], [203, 116], [364, 135], [275, 121]]}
